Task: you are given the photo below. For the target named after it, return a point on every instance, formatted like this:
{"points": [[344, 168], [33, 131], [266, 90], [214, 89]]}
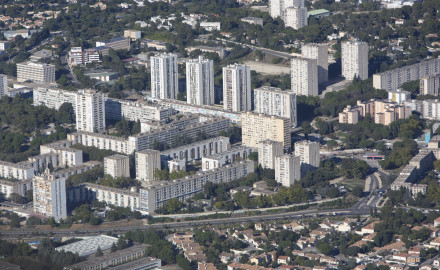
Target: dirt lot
{"points": [[268, 69]]}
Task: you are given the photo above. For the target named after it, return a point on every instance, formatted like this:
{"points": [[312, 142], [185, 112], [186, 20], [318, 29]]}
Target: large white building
{"points": [[164, 76], [268, 150], [50, 196], [287, 169], [36, 72], [393, 79], [304, 76], [237, 88], [277, 7], [309, 154], [354, 59], [147, 161], [320, 53], [274, 101], [53, 98], [200, 81], [117, 166], [3, 85], [295, 17], [90, 111]]}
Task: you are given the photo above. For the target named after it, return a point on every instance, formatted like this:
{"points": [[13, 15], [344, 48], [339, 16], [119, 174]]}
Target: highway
{"points": [[34, 233]]}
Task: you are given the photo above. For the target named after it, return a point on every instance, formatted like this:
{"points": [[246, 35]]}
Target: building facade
{"points": [[237, 88], [90, 111], [3, 85], [164, 76], [430, 85], [147, 162], [132, 34], [308, 152], [354, 56], [117, 166], [267, 152], [259, 127], [295, 17], [200, 81], [113, 196], [287, 169], [393, 79], [78, 56], [50, 196], [304, 76], [36, 72], [320, 53], [274, 101], [53, 98]]}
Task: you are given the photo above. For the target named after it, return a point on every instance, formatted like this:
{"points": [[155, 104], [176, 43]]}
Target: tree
{"points": [[114, 247], [173, 205], [99, 252], [358, 191], [122, 243], [51, 222], [306, 128]]}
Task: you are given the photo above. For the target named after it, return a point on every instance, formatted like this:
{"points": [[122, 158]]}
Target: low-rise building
{"points": [[90, 245]]}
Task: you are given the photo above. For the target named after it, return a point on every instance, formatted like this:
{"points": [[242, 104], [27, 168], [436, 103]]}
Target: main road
{"points": [[33, 233]]}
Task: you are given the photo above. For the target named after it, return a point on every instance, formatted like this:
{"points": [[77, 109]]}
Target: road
{"points": [[33, 233]]}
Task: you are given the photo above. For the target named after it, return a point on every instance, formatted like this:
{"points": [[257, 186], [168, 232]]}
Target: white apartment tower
{"points": [[277, 7], [117, 166], [164, 76], [50, 196], [90, 111], [268, 150], [308, 153], [3, 85], [274, 101], [287, 169], [237, 88], [147, 161], [295, 17], [200, 81], [36, 72], [320, 53], [354, 59], [304, 76]]}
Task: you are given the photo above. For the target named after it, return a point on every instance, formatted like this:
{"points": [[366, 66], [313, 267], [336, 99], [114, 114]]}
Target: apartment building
{"points": [[64, 155], [259, 127], [267, 152], [4, 45], [50, 196], [3, 85], [287, 169], [320, 53], [19, 171], [308, 152], [233, 155], [53, 98], [197, 150], [113, 196], [277, 7], [147, 162], [393, 79], [132, 34], [274, 101], [354, 56], [430, 85], [399, 96], [237, 88], [164, 76], [74, 170], [142, 111], [7, 187], [100, 141], [200, 81], [155, 194], [36, 72], [384, 112], [295, 17], [78, 56], [90, 111], [304, 76], [350, 115], [117, 166]]}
